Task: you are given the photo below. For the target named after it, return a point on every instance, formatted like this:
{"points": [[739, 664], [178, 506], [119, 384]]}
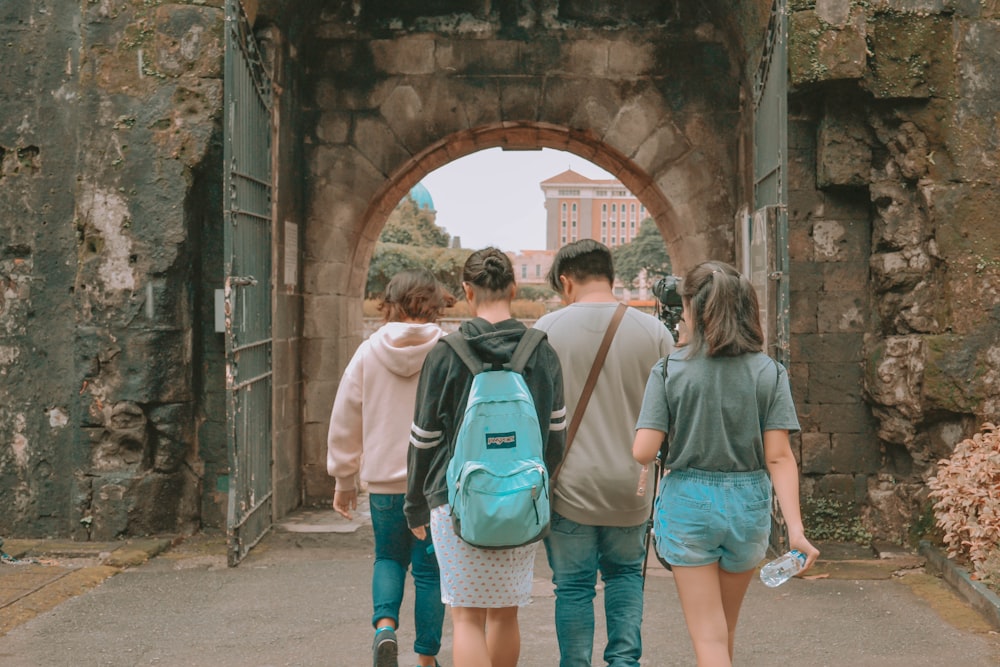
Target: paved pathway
{"points": [[302, 597]]}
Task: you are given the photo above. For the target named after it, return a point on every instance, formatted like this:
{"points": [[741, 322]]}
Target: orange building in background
{"points": [[578, 207]]}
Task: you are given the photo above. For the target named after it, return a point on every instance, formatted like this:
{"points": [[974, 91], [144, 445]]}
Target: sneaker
{"points": [[385, 648]]}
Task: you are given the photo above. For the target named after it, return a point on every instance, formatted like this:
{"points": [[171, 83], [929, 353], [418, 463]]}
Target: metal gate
{"points": [[768, 229], [247, 289]]}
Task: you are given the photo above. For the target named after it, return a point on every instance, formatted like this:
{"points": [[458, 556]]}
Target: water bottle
{"points": [[781, 569]]}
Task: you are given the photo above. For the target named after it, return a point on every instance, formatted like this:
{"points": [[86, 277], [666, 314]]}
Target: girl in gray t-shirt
{"points": [[726, 411]]}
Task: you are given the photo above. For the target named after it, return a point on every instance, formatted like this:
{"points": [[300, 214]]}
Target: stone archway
{"points": [[427, 99]]}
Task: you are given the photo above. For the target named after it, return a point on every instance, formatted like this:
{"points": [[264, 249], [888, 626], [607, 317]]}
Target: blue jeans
{"points": [[396, 549], [576, 553]]}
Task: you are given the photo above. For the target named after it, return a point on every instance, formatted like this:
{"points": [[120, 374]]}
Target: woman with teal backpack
{"points": [[483, 587]]}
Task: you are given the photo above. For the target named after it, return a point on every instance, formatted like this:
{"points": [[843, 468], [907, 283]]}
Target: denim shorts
{"points": [[713, 517]]}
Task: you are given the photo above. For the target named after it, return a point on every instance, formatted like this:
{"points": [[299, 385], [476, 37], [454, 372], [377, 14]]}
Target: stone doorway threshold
{"points": [[325, 519]]}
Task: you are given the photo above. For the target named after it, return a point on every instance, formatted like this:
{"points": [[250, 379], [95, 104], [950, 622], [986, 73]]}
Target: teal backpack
{"points": [[498, 485]]}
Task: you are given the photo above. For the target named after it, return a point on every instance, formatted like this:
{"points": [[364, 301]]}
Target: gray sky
{"points": [[493, 197]]}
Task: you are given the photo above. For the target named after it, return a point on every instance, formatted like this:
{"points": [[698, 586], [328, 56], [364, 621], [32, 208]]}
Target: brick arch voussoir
{"points": [[520, 135]]}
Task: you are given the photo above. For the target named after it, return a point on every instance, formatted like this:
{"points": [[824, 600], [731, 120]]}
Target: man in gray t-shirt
{"points": [[598, 519]]}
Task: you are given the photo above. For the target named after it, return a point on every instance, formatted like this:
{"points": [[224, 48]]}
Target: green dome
{"points": [[422, 197]]}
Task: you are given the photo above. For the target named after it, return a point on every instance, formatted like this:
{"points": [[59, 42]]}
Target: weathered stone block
{"points": [[894, 371], [912, 56], [843, 148], [189, 41], [857, 454], [954, 374], [816, 453], [819, 51], [835, 417], [829, 348], [478, 57], [840, 241], [377, 143], [403, 55], [842, 312], [802, 313], [519, 97], [844, 276], [834, 382], [173, 442], [842, 488]]}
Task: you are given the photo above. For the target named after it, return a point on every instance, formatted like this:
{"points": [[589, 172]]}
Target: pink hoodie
{"points": [[373, 409]]}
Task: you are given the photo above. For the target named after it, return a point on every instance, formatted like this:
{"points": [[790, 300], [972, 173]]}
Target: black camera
{"points": [[669, 304]]}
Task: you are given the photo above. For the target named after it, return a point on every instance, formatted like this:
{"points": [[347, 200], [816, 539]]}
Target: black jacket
{"points": [[442, 393]]}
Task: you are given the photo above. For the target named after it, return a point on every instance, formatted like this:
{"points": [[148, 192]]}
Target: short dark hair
{"points": [[414, 294], [725, 311], [582, 260], [490, 273]]}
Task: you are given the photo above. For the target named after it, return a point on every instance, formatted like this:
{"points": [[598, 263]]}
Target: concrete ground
{"points": [[302, 597]]}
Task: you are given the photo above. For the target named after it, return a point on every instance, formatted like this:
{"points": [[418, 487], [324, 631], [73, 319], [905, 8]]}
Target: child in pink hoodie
{"points": [[371, 416]]}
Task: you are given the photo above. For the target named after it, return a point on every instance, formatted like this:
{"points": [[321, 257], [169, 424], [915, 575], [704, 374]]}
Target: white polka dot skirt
{"points": [[480, 578]]}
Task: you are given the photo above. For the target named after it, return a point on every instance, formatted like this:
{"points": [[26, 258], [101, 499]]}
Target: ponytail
{"points": [[725, 311]]}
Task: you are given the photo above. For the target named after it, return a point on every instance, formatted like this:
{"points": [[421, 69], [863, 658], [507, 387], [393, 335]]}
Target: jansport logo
{"points": [[501, 440]]}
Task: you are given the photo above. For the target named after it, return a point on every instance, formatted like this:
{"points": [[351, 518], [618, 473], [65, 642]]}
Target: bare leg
{"points": [[469, 647], [700, 593], [503, 636], [734, 588]]}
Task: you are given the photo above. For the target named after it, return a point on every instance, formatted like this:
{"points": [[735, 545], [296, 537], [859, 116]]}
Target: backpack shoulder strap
{"points": [[457, 342], [525, 347]]}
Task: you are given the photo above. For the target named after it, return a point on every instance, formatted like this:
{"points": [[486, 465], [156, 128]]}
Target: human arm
{"points": [[344, 437], [785, 480], [646, 444], [427, 434], [654, 416]]}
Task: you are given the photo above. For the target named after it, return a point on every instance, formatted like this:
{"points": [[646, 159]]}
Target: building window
{"points": [[563, 241], [538, 270], [604, 224], [569, 193], [604, 238], [612, 241], [524, 270], [602, 193]]}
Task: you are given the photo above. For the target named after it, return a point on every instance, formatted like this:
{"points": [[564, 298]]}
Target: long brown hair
{"points": [[725, 310], [490, 273]]}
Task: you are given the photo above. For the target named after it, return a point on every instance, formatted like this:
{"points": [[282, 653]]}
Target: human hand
{"points": [[803, 545], [420, 532], [344, 502]]}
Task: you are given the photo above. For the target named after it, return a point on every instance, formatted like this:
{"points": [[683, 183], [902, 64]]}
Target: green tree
{"points": [[646, 251], [391, 258], [410, 225]]}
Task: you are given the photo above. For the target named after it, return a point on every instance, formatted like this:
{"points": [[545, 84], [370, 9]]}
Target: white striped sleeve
{"points": [[557, 420], [422, 439]]}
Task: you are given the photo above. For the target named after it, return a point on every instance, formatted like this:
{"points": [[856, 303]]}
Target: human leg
{"points": [[392, 557], [503, 636], [469, 647], [733, 587], [699, 590], [572, 554], [621, 552], [428, 610]]}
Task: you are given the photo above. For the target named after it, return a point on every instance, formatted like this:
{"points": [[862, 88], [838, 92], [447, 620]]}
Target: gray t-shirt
{"points": [[597, 483], [716, 409]]}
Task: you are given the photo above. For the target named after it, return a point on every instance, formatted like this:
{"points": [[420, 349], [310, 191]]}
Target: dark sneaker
{"points": [[385, 648]]}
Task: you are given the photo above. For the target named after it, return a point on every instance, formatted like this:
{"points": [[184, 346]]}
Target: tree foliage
{"points": [[408, 224], [646, 251], [411, 239], [391, 258]]}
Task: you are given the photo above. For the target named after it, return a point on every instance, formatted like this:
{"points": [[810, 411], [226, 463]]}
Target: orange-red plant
{"points": [[966, 493]]}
